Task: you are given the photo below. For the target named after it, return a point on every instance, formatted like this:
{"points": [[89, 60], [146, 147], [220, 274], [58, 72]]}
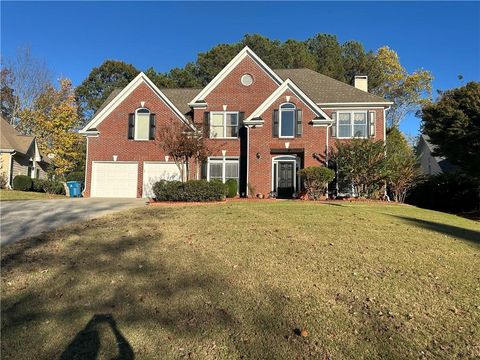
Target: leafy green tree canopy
{"points": [[101, 81], [453, 124]]}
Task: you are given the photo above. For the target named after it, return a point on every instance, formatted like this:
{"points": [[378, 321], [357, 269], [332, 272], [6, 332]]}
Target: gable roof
{"points": [[12, 140], [246, 51], [325, 90], [322, 118], [108, 100], [442, 161], [180, 97], [115, 99]]}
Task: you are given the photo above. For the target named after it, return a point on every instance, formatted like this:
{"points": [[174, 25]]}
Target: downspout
{"points": [[10, 177], [248, 160], [86, 170], [385, 143], [327, 151]]}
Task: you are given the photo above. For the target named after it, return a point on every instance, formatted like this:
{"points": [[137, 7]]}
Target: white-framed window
{"points": [[224, 124], [222, 169], [352, 124], [287, 120], [142, 124]]}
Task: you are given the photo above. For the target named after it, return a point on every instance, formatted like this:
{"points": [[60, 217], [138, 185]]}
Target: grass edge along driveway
{"points": [[242, 279]]}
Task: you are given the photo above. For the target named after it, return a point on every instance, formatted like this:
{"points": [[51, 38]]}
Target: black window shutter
{"points": [[275, 123], [131, 126], [206, 124], [153, 125], [299, 126], [241, 117], [334, 125], [371, 122]]}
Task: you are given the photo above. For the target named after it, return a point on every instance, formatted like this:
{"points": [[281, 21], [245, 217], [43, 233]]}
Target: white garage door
{"points": [[114, 179], [153, 172]]}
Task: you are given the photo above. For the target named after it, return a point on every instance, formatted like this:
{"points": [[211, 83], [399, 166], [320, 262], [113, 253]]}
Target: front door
{"points": [[286, 180]]}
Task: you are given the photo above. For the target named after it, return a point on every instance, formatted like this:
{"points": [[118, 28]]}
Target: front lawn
{"points": [[242, 280], [7, 195]]}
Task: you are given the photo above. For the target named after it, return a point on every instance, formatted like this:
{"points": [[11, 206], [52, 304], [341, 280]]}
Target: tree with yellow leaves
{"points": [[53, 120], [408, 92]]}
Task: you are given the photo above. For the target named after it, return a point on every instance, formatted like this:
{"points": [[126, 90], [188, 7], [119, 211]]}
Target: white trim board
{"points": [[246, 51], [127, 90], [288, 85], [358, 104]]}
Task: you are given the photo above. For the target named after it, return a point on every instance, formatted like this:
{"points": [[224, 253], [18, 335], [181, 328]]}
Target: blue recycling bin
{"points": [[74, 188]]}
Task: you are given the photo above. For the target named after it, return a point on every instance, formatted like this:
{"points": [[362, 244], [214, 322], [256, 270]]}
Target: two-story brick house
{"points": [[262, 126]]}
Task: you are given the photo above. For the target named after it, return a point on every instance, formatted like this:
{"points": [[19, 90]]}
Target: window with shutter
{"points": [[224, 124], [153, 126], [299, 127], [333, 128], [372, 115], [142, 124], [275, 123], [131, 126], [287, 123]]}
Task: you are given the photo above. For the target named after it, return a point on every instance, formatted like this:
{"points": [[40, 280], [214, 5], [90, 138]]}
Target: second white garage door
{"points": [[153, 172], [114, 179]]}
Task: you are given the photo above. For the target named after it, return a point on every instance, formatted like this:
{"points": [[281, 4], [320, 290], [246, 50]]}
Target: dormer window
{"points": [[141, 125]]}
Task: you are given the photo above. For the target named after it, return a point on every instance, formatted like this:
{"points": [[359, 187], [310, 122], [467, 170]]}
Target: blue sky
{"points": [[73, 37]]}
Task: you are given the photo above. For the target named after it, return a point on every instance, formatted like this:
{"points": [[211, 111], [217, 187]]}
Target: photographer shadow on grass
{"points": [[96, 338]]}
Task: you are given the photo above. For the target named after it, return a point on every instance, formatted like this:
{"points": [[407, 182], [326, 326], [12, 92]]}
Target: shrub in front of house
{"points": [[22, 183], [37, 185], [315, 179], [232, 188], [54, 187], [190, 191]]}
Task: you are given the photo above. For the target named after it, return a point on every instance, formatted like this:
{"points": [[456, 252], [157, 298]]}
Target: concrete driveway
{"points": [[22, 219]]}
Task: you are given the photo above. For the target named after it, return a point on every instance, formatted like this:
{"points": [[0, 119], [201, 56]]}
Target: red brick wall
{"points": [[313, 140], [113, 130], [237, 97], [113, 138]]}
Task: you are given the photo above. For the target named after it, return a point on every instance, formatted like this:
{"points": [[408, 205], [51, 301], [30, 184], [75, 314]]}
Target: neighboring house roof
{"points": [[442, 161], [325, 90], [12, 140]]}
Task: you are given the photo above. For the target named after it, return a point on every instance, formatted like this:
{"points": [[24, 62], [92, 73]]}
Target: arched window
{"points": [[142, 124], [287, 120]]}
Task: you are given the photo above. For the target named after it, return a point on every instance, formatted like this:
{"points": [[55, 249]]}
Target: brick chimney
{"points": [[361, 82]]}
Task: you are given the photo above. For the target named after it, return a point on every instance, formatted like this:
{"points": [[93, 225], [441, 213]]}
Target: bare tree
{"points": [[182, 144], [23, 79]]}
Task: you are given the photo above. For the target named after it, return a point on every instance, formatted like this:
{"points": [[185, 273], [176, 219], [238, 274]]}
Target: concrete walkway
{"points": [[22, 219]]}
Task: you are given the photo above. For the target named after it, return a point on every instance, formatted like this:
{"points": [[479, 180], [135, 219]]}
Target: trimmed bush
{"points": [[37, 185], [22, 183], [76, 176], [190, 191], [316, 179], [232, 188], [54, 187]]}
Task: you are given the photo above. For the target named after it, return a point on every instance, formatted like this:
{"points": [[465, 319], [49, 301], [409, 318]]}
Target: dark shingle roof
{"points": [[180, 97], [108, 100], [323, 89], [11, 139]]}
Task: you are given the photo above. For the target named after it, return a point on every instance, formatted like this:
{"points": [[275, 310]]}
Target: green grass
{"points": [[8, 195], [235, 280]]}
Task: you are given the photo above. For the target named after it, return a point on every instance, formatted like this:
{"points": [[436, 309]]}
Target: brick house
{"points": [[262, 126]]}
